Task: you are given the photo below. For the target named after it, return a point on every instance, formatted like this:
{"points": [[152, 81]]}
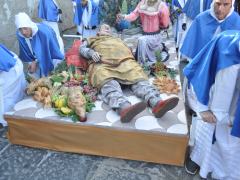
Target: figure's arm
{"points": [[164, 16], [203, 111], [206, 114], [133, 15], [89, 53], [24, 52]]}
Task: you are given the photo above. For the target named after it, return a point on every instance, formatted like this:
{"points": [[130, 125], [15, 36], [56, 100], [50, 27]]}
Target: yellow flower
{"points": [[61, 102], [66, 110]]}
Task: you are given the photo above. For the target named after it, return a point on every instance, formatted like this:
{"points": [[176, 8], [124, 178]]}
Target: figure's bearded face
{"points": [[151, 2], [105, 30]]}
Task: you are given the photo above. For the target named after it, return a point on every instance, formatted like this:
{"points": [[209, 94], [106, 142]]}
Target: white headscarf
{"points": [[23, 20], [213, 13]]}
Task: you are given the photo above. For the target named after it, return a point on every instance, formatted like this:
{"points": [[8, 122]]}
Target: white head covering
{"points": [[213, 13], [23, 20]]}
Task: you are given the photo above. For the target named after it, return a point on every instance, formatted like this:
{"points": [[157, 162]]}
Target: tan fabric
{"points": [[117, 62], [96, 140]]}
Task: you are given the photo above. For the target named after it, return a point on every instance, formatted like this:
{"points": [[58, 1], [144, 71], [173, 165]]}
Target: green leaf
{"points": [[61, 67], [59, 112], [71, 69], [56, 78], [124, 8], [75, 118], [158, 55]]}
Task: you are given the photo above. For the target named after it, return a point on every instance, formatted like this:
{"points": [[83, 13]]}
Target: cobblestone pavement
{"points": [[23, 163]]}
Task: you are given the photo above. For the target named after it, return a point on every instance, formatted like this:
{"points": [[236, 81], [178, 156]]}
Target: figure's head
{"points": [[24, 24], [84, 2], [151, 2], [222, 8], [26, 32], [105, 29]]}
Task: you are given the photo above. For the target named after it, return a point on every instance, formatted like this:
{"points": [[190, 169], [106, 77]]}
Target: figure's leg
{"points": [[80, 29], [141, 50], [114, 97], [151, 96]]}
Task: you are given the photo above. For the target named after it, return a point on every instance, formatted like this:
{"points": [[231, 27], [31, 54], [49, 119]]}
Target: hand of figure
{"points": [[119, 17], [32, 67], [208, 116], [96, 57]]}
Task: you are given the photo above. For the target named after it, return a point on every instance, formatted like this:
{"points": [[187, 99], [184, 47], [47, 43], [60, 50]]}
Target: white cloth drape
{"points": [[12, 87], [221, 158]]}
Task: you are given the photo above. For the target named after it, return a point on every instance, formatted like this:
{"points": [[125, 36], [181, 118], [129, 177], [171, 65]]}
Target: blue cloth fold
{"points": [[7, 60], [45, 48], [192, 7], [221, 52], [48, 10], [203, 29], [176, 3]]}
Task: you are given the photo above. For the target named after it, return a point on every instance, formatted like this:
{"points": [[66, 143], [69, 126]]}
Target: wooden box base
{"points": [[97, 140]]}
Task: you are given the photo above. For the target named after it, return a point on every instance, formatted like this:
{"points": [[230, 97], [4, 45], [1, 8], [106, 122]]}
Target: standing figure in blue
{"points": [[38, 46], [191, 8], [86, 17], [214, 80], [50, 13], [179, 29], [218, 18], [12, 81]]}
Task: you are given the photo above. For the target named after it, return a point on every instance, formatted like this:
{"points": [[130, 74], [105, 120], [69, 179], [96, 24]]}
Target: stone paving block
{"points": [[66, 166], [18, 162], [118, 169], [3, 144]]}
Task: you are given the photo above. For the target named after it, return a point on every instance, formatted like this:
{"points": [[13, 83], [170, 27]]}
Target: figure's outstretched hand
{"points": [[95, 57], [32, 67], [208, 116], [119, 17]]}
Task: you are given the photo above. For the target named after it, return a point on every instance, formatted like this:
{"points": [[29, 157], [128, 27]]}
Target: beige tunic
{"points": [[117, 62]]}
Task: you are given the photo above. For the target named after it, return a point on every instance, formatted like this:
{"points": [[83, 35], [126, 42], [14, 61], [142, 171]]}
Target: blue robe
{"points": [[176, 3], [203, 29], [7, 60], [45, 48], [222, 52], [79, 12], [192, 7], [48, 10]]}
